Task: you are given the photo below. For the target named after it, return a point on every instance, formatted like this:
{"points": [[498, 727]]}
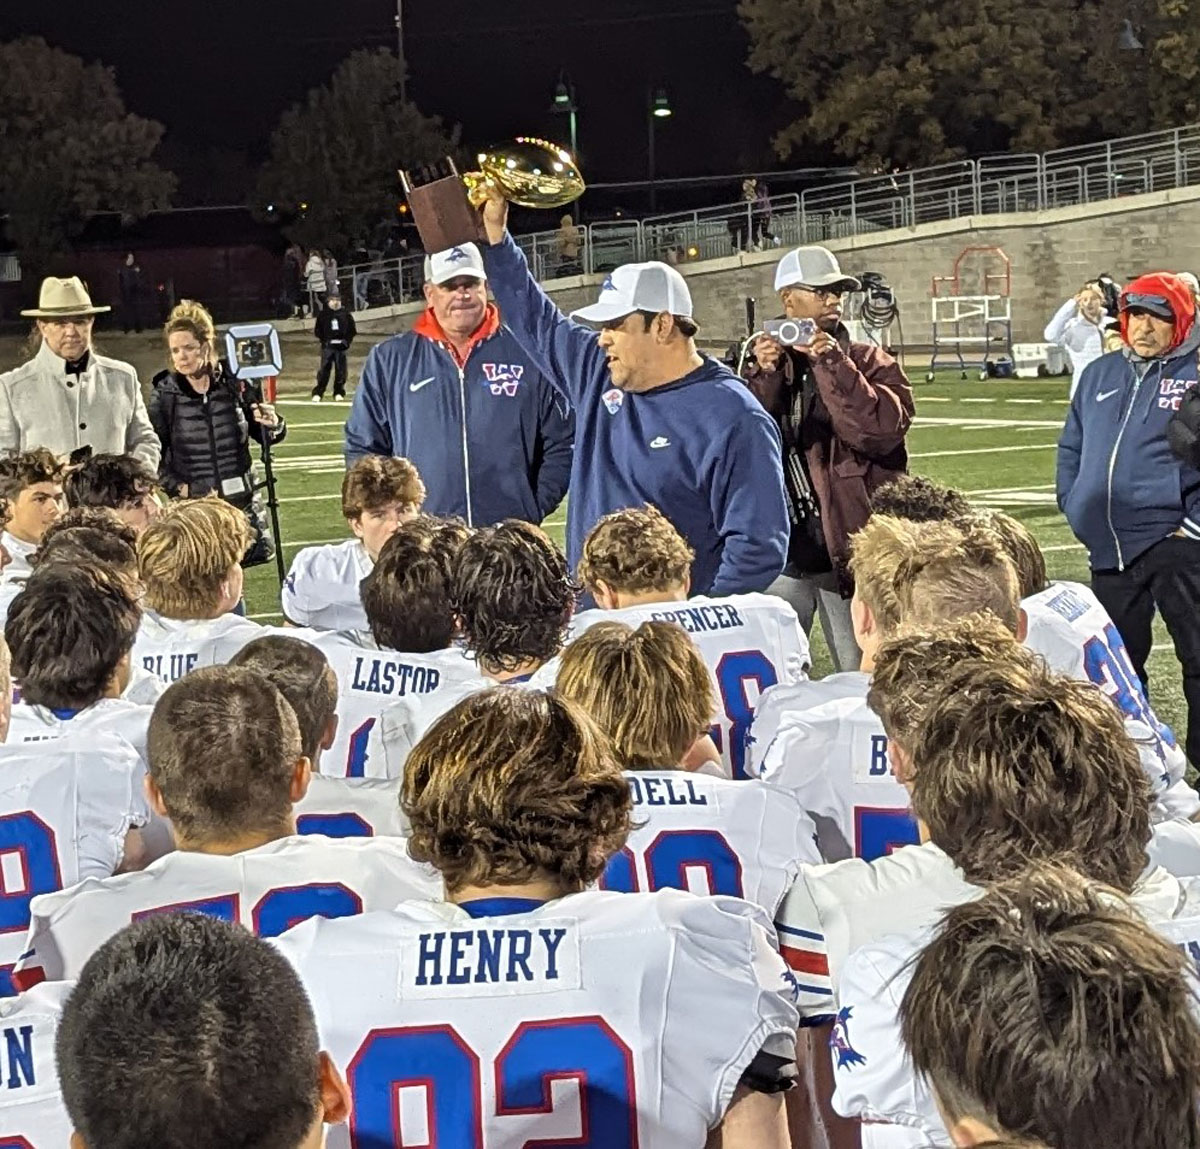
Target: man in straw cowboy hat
{"points": [[67, 396]]}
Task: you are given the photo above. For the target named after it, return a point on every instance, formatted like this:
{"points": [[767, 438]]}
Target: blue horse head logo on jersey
{"points": [[839, 1042]]}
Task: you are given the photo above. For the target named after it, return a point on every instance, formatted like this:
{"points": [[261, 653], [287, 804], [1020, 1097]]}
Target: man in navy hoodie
{"points": [[459, 399], [656, 422], [1128, 498]]}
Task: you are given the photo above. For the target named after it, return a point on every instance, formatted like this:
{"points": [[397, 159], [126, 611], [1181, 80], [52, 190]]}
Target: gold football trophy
{"points": [[528, 172]]}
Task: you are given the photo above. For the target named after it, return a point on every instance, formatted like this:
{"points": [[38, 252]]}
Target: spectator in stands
{"points": [[205, 420], [132, 288], [331, 271], [1128, 498], [335, 329], [843, 409], [118, 483], [314, 280], [67, 396], [460, 399], [293, 280], [568, 244], [1078, 327]]}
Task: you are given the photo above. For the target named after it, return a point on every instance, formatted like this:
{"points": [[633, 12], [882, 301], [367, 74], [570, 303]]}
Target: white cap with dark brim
{"points": [[813, 267]]}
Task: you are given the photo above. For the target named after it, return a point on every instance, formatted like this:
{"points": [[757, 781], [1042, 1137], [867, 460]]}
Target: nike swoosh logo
{"points": [[1102, 395], [418, 386]]}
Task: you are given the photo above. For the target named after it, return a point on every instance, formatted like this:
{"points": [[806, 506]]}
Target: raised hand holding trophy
{"points": [[528, 172]]}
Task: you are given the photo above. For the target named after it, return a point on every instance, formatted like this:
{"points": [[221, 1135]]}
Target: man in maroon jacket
{"points": [[843, 409]]}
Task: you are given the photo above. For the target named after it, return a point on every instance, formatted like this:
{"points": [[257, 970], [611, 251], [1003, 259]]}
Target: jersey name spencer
{"points": [[322, 588], [65, 808], [572, 1022], [268, 889], [171, 647], [1071, 630], [749, 642], [31, 1107], [351, 808], [369, 681], [712, 836], [821, 742], [875, 1081]]}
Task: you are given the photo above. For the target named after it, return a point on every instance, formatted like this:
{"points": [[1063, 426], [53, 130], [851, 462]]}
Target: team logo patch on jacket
{"points": [[1171, 392], [503, 378], [839, 1042], [613, 398]]}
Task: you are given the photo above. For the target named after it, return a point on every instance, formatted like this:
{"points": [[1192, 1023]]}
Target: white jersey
{"points": [[19, 567], [32, 1114], [172, 647], [128, 720], [321, 589], [9, 589], [872, 1077], [1175, 845], [749, 642], [143, 688], [1071, 630], [712, 836], [65, 808], [832, 910], [268, 889], [371, 680], [822, 742], [351, 808], [608, 1019]]}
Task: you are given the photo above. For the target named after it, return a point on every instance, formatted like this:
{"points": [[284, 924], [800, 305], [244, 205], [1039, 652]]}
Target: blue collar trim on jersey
{"points": [[63, 713], [495, 907]]}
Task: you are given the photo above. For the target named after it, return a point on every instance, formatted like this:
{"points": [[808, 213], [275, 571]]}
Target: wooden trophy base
{"points": [[443, 213]]}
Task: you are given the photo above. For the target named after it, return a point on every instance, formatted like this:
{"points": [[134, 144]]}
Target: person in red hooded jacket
{"points": [[1129, 497]]}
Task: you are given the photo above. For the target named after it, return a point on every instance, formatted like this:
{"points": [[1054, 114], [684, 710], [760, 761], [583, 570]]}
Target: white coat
{"points": [[42, 406]]}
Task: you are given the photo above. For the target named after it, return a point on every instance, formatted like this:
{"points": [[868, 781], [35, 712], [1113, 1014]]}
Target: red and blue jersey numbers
{"points": [[736, 673], [424, 1086], [669, 861], [29, 866], [277, 910], [1106, 663]]}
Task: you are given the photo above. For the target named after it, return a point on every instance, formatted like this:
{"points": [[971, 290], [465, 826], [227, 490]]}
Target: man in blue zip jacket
{"points": [[1128, 498], [459, 399], [656, 422]]}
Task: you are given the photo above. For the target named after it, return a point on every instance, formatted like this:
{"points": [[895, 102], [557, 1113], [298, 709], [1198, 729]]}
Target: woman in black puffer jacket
{"points": [[205, 419]]}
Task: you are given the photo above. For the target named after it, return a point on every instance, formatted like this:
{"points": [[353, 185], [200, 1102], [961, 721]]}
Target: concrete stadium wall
{"points": [[1052, 253]]}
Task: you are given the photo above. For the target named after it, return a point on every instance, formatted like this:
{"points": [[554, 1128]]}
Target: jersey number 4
{"points": [[443, 1077]]}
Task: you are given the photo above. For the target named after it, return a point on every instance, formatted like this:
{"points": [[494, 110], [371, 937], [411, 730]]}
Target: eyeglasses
{"points": [[820, 292]]}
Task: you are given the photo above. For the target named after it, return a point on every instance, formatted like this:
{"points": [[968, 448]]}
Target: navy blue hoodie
{"points": [[1119, 484], [490, 439], [702, 449]]}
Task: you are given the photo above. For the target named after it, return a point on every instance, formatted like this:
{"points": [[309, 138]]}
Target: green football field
{"points": [[994, 439]]}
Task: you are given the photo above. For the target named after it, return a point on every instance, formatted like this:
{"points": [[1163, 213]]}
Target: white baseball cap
{"points": [[464, 259], [654, 287], [812, 267]]}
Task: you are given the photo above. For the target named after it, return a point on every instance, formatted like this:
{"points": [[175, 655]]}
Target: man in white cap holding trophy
{"points": [[67, 396], [656, 422]]}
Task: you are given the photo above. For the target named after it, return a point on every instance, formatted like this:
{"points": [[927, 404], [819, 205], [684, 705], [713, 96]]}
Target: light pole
{"points": [[658, 107], [400, 51], [565, 105]]}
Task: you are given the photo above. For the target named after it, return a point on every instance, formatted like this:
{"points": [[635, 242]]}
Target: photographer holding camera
{"points": [[205, 417], [843, 409]]}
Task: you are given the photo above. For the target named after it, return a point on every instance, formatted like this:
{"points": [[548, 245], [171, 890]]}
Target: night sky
{"points": [[220, 78]]}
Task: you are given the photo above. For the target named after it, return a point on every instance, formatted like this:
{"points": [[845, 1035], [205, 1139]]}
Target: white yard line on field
{"points": [[945, 421], [984, 451]]}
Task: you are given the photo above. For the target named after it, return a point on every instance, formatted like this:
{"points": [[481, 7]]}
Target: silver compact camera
{"points": [[791, 332]]}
